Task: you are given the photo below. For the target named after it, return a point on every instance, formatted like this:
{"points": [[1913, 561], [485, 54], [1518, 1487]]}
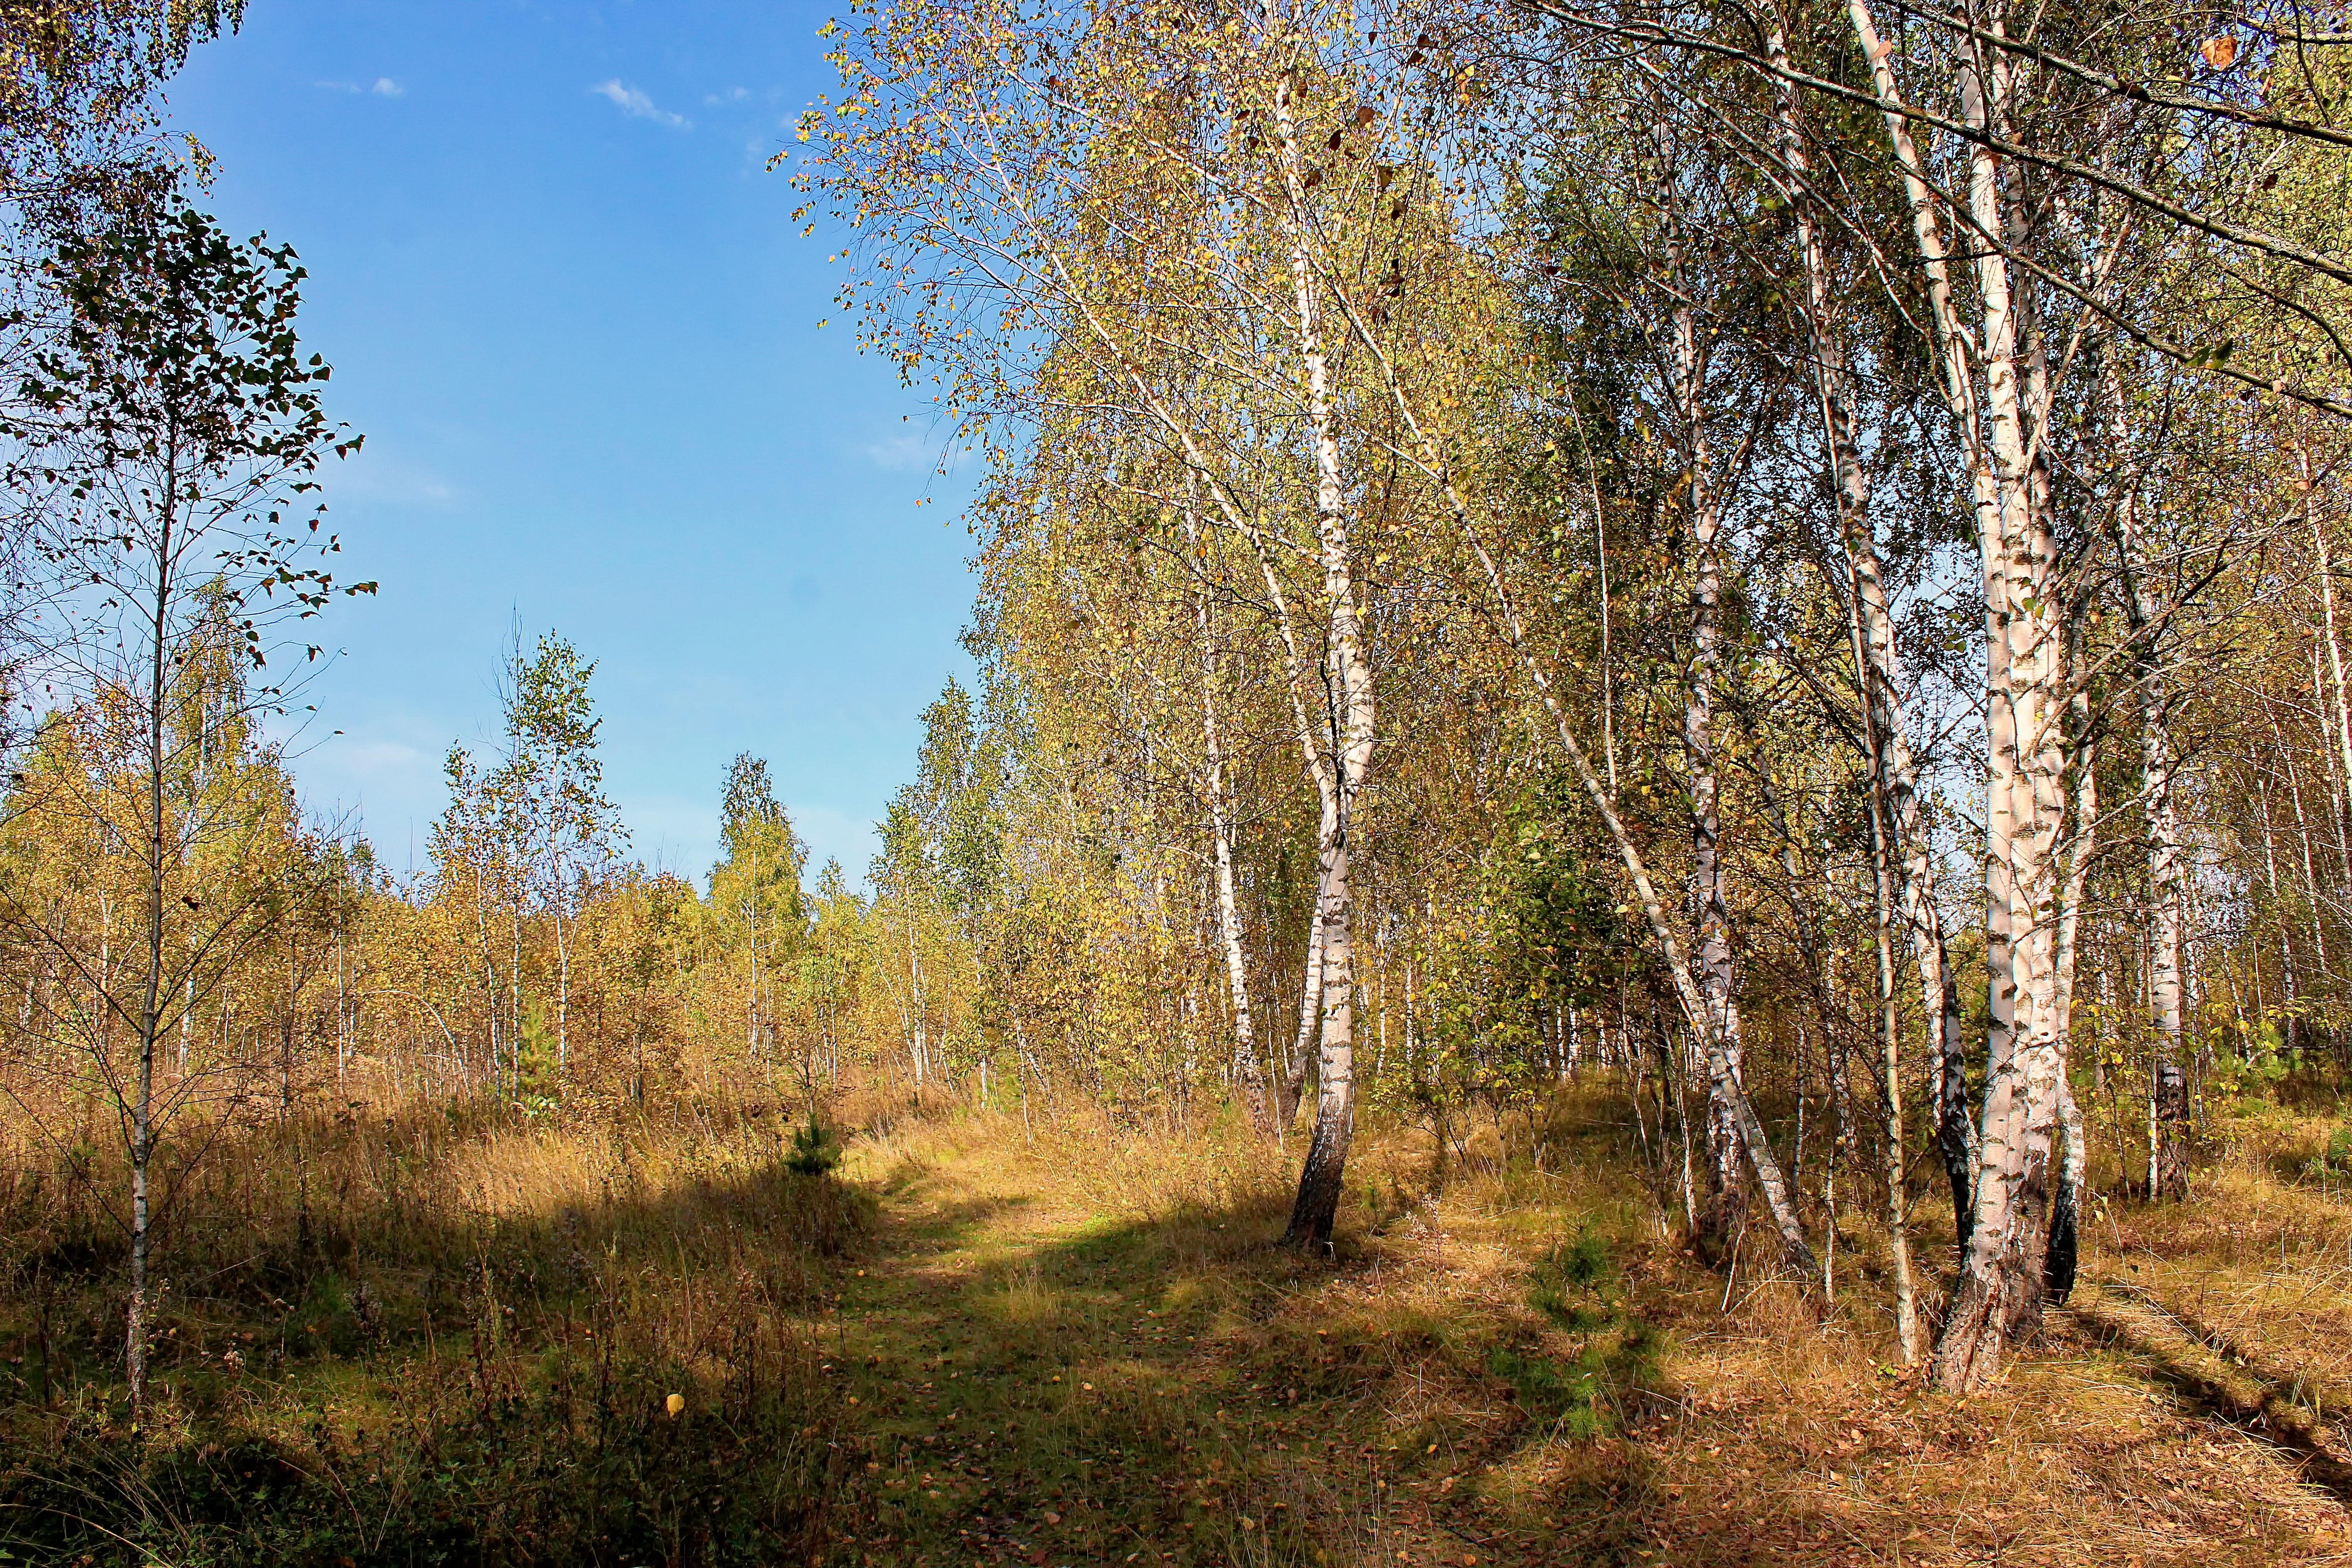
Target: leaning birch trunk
{"points": [[1999, 1299], [1957, 1135], [1246, 1066], [1879, 670], [1762, 1161], [1317, 1207], [1239, 518], [1869, 629]]}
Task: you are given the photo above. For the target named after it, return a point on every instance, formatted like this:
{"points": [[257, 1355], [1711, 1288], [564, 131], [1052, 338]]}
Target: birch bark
{"points": [[1762, 1164], [1957, 1138], [1246, 1066], [1720, 1218], [1350, 765], [1999, 1299], [2157, 769]]}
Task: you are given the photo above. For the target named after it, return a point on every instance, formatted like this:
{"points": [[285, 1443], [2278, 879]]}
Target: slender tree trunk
{"points": [[2066, 1202], [1999, 1299], [2342, 701], [1228, 920], [562, 996], [1335, 1113], [2337, 783], [342, 1007], [1722, 1217], [2278, 906], [1912, 860], [151, 1004], [2310, 871], [917, 1012], [285, 1034], [1298, 1058], [1723, 1083], [2165, 872]]}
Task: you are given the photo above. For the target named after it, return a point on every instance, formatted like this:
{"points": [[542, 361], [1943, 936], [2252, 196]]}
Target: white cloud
{"points": [[732, 95], [382, 86], [637, 106], [376, 475], [912, 451], [901, 452], [386, 88]]}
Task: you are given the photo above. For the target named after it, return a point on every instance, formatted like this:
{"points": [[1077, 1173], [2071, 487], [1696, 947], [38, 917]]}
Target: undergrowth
{"points": [[694, 1340], [460, 1339]]}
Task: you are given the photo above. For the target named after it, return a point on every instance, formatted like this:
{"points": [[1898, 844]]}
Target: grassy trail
{"points": [[1035, 1382], [1041, 1377]]}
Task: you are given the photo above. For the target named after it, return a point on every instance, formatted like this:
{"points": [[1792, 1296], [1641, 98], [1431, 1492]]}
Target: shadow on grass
{"points": [[1180, 1388], [2214, 1378]]}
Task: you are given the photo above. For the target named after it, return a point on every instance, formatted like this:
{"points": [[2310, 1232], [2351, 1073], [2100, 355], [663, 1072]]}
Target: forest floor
{"points": [[483, 1340], [1076, 1352]]}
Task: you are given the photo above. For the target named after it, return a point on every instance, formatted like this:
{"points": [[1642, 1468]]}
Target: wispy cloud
{"points": [[637, 106], [382, 86], [912, 451], [379, 477], [732, 95], [902, 452]]}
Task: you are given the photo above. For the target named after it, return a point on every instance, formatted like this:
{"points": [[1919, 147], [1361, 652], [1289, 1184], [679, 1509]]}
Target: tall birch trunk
{"points": [[2066, 1201], [2165, 870], [1318, 1205], [151, 1001], [2343, 701], [1246, 1066], [1762, 1164], [1720, 1218], [1999, 1301], [1881, 678]]}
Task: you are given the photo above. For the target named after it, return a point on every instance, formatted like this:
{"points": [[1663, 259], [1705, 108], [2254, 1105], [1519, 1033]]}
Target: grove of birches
{"points": [[1775, 574]]}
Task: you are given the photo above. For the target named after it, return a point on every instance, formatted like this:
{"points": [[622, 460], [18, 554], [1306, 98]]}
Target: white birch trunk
{"points": [[1999, 1299], [1229, 920], [1762, 1162], [1318, 1187]]}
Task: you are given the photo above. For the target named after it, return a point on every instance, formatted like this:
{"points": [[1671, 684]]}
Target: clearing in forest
{"points": [[1084, 1350], [504, 1342]]}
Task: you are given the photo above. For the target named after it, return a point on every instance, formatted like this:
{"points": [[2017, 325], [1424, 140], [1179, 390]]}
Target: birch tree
{"points": [[178, 432]]}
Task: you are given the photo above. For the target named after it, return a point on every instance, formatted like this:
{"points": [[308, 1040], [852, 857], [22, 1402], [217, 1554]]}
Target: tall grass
{"points": [[441, 1335]]}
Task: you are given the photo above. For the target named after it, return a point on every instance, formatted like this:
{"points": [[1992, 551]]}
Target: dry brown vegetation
{"points": [[431, 1339]]}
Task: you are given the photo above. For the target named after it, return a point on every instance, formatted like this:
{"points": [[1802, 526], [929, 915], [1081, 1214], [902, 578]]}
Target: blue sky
{"points": [[566, 305]]}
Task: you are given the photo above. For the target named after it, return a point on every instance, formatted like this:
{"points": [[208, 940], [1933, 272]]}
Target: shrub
{"points": [[815, 1149]]}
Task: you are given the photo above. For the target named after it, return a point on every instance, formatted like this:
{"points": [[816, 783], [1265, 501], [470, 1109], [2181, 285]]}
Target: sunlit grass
{"points": [[452, 1339]]}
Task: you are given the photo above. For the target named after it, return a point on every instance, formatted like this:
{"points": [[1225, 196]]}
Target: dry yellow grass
{"points": [[1072, 1343], [1769, 1428]]}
